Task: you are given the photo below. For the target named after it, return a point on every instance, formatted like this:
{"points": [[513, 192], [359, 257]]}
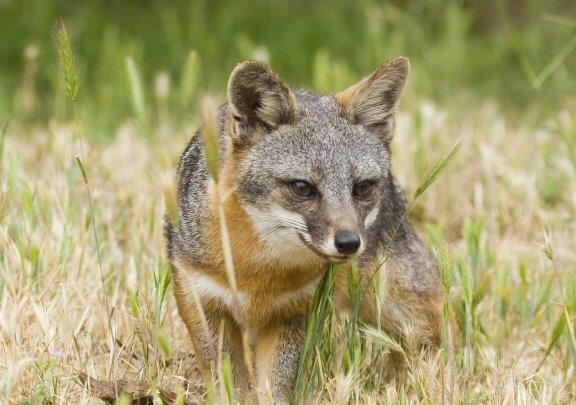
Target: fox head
{"points": [[313, 172]]}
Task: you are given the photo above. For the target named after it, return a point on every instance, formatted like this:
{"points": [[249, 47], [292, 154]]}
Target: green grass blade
{"points": [[432, 175], [571, 332], [316, 322], [556, 61], [190, 78], [559, 327], [227, 379], [136, 88]]}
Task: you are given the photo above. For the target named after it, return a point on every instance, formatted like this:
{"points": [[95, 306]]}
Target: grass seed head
{"points": [[66, 61]]}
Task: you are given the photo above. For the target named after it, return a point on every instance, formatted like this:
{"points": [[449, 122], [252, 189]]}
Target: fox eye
{"points": [[363, 189], [302, 189]]}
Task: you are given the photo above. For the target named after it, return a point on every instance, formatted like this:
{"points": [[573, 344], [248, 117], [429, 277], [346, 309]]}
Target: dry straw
{"points": [[211, 141]]}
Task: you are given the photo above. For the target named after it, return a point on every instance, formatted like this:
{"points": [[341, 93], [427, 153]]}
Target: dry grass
{"points": [[506, 206]]}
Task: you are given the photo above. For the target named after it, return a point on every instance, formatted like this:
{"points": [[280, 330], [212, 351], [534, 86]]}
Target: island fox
{"points": [[306, 181]]}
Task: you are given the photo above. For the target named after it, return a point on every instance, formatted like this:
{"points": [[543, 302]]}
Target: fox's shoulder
{"points": [[188, 237]]}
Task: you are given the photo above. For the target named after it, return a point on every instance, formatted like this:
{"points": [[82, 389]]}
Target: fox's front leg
{"points": [[277, 354], [204, 335], [207, 321]]}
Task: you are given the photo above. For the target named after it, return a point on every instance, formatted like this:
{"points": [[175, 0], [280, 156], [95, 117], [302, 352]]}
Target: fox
{"points": [[307, 183]]}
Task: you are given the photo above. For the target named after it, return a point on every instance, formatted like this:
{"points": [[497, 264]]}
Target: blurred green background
{"points": [[137, 58]]}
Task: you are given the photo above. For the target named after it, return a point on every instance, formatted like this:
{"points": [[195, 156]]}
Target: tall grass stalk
{"points": [[570, 328], [354, 349], [220, 359], [136, 89], [309, 370], [2, 137], [211, 140], [467, 277], [161, 344], [380, 288], [446, 265], [227, 379], [190, 79], [68, 70]]}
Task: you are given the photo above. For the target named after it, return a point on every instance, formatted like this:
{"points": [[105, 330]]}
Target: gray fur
{"points": [[295, 135]]}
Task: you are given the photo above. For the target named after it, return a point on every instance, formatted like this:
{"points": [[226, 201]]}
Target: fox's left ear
{"points": [[372, 101], [260, 101]]}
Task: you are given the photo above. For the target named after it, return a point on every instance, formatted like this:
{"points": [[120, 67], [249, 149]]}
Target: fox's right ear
{"points": [[259, 99]]}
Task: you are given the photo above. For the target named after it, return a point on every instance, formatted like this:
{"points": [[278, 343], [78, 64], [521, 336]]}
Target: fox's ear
{"points": [[259, 99], [372, 101]]}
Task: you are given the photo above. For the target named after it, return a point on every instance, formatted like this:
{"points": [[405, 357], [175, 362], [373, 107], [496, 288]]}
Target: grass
{"points": [[500, 216], [513, 305]]}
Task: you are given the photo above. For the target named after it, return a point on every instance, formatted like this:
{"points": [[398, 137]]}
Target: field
{"points": [[84, 281]]}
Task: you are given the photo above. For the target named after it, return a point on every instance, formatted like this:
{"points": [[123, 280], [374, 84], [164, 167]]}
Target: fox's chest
{"points": [[255, 305]]}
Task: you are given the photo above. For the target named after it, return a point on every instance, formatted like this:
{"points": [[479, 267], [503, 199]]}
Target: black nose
{"points": [[347, 242]]}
